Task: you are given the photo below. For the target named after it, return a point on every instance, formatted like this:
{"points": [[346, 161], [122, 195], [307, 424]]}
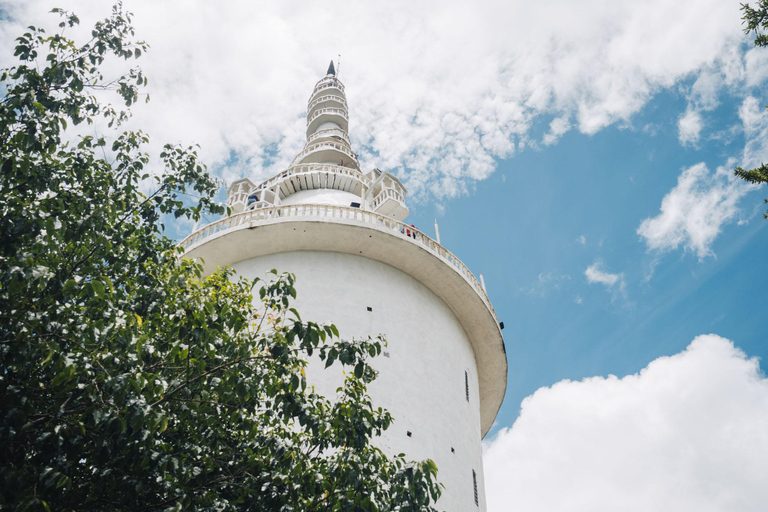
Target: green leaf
{"points": [[98, 288], [163, 425]]}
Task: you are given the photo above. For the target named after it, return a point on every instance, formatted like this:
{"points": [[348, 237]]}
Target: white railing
{"points": [[258, 204], [328, 82], [386, 194], [340, 213], [329, 132], [326, 145], [334, 111], [316, 168], [322, 99], [239, 197]]}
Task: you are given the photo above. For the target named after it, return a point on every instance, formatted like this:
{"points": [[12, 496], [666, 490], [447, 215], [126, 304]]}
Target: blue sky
{"points": [[577, 154], [522, 229]]}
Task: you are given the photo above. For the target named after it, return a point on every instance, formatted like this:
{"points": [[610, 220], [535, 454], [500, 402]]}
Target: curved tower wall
{"points": [[322, 196], [422, 373], [328, 125]]}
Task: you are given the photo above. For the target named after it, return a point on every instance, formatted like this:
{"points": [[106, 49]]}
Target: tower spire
{"points": [[328, 124]]}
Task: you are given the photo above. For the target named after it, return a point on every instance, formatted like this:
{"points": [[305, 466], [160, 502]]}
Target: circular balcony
{"points": [[329, 134], [325, 115], [315, 176], [363, 233], [327, 100], [326, 84], [322, 152]]}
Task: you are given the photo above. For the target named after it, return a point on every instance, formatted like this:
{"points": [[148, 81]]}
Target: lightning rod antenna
{"points": [[338, 66]]}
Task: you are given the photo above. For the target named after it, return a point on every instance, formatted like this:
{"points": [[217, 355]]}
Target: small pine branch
{"points": [[756, 21], [757, 175]]}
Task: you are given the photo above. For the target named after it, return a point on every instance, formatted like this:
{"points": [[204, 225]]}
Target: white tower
{"points": [[444, 370]]}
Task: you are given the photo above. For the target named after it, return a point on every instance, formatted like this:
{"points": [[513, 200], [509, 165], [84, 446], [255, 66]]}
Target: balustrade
{"points": [[386, 194], [330, 110], [326, 145], [329, 132], [322, 99], [322, 169], [259, 204], [328, 82], [238, 197], [316, 168], [342, 213]]}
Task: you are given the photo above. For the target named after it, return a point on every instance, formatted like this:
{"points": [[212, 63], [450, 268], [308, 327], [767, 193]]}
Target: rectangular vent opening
{"points": [[474, 484], [466, 384]]}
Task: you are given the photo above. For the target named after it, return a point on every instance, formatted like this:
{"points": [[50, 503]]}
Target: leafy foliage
{"points": [[756, 21], [757, 175], [128, 380]]}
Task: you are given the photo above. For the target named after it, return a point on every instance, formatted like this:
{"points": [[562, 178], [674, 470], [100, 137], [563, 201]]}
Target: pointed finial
{"points": [[331, 69]]}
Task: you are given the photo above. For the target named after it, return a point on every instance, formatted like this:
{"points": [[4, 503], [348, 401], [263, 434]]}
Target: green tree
{"points": [[128, 380], [756, 21]]}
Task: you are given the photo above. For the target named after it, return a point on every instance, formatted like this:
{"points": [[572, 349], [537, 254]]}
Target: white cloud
{"points": [[693, 212], [582, 240], [612, 282], [437, 91], [689, 127], [707, 86], [557, 128], [754, 119], [578, 300], [756, 64], [688, 433]]}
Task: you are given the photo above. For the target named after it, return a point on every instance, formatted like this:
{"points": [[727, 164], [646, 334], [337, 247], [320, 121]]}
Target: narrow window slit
{"points": [[466, 384]]}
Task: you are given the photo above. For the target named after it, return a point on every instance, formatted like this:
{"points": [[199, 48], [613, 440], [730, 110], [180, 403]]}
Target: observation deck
{"points": [[324, 151], [342, 229], [328, 115], [329, 134], [329, 82], [317, 176], [339, 101]]}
